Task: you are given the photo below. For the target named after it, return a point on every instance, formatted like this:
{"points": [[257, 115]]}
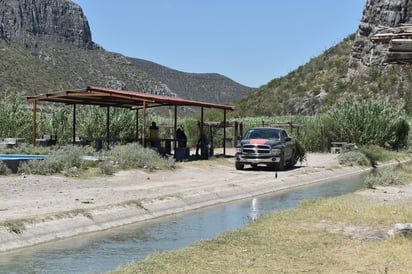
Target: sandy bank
{"points": [[55, 207]]}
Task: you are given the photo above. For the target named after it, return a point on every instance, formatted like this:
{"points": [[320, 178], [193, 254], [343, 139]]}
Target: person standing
{"points": [[203, 145], [154, 136], [181, 137]]}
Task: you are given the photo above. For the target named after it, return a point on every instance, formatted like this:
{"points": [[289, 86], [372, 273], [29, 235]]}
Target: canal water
{"points": [[104, 251]]}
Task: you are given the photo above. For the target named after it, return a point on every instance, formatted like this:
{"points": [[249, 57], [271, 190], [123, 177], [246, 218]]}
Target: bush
{"points": [[374, 154], [67, 160], [300, 152], [4, 170], [386, 177], [353, 157], [135, 156], [48, 166], [107, 168]]}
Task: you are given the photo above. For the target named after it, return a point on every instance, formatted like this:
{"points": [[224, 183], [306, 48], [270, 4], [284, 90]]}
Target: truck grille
{"points": [[256, 149]]}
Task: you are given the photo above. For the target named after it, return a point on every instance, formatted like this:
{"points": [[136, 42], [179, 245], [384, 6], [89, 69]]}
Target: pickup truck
{"points": [[267, 146]]}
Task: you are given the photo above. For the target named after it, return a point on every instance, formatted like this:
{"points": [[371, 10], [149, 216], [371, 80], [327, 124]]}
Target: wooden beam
{"points": [[401, 57], [400, 45]]}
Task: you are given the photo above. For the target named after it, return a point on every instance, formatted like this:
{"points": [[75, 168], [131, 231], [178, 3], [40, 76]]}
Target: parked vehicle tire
{"points": [[281, 165], [293, 160], [239, 166]]}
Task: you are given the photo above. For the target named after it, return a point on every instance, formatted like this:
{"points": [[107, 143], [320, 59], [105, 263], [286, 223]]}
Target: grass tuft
{"points": [[15, 226]]}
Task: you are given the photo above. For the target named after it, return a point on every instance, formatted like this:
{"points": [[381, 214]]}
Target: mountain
{"points": [[46, 45], [354, 69]]}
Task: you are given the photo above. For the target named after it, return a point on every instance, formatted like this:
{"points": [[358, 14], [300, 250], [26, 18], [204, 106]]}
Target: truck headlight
{"points": [[239, 149], [276, 151]]}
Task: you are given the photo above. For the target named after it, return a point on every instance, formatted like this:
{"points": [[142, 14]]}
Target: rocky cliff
{"points": [[376, 14], [57, 34], [61, 20]]}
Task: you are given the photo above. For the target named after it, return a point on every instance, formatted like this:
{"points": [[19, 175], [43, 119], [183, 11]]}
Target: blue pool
{"points": [[13, 161]]}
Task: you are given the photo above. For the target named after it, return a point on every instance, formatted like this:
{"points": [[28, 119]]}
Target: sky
{"points": [[251, 42]]}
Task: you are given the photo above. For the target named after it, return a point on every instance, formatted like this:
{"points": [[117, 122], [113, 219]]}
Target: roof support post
{"points": [[144, 124], [107, 125], [202, 119], [34, 130], [74, 125], [224, 132], [137, 124], [174, 131]]}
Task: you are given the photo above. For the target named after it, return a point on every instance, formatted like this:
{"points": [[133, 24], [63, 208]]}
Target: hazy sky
{"points": [[251, 42]]}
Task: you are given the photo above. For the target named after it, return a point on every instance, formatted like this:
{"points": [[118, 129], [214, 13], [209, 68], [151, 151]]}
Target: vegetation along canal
{"points": [[105, 251]]}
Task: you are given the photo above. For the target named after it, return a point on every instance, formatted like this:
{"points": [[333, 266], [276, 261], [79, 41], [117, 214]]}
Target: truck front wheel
{"points": [[281, 165], [239, 166], [293, 160]]}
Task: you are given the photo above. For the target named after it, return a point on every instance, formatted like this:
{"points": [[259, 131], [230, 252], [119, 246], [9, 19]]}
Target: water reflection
{"points": [[253, 210], [105, 251]]}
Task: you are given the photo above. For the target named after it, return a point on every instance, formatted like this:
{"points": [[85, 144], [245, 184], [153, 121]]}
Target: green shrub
{"points": [[386, 176], [25, 148], [135, 156], [353, 157], [69, 161], [4, 170], [366, 156], [47, 166], [66, 160], [107, 168], [376, 154], [300, 152]]}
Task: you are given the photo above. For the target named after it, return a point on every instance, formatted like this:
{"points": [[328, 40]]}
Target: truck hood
{"points": [[260, 142]]}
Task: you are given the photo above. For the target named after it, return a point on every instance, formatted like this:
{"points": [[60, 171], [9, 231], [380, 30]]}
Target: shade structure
{"points": [[133, 100]]}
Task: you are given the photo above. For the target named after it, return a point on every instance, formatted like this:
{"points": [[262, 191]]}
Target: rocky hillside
{"points": [[47, 46], [352, 70], [377, 14], [306, 90]]}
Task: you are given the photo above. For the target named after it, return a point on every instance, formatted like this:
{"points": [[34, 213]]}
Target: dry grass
{"points": [[338, 235]]}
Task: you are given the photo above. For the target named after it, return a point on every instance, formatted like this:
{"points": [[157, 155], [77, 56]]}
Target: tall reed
{"points": [[368, 123]]}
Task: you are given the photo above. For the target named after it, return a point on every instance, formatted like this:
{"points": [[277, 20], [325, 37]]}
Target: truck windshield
{"points": [[263, 133]]}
